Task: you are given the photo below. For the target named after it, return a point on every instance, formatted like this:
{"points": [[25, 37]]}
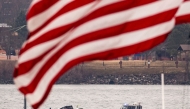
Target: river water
{"points": [[102, 96]]}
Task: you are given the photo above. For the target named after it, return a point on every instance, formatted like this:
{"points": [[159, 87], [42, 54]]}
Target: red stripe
{"points": [[113, 8], [16, 71], [104, 55], [27, 66], [39, 7], [71, 6], [182, 19], [100, 12], [186, 0], [104, 33]]}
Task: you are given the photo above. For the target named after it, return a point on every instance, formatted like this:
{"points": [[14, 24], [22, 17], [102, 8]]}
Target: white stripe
{"points": [[36, 21], [29, 76], [139, 12], [122, 17], [97, 46], [105, 22], [184, 9], [39, 50], [130, 15], [70, 17]]}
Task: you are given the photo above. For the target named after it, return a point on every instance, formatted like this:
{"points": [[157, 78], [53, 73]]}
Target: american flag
{"points": [[63, 33]]}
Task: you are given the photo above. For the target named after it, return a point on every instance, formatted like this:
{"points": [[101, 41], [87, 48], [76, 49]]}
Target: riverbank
{"points": [[109, 72], [132, 72]]}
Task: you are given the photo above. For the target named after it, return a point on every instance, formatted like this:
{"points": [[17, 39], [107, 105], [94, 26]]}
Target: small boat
{"points": [[69, 107], [131, 106]]}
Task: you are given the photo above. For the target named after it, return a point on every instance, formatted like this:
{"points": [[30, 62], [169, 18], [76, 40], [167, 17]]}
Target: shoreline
{"points": [[95, 72]]}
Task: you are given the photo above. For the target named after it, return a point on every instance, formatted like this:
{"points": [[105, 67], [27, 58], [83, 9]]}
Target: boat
{"points": [[131, 106], [69, 107]]}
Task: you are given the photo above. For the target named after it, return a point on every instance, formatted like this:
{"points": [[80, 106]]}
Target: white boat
{"points": [[131, 106], [69, 107]]}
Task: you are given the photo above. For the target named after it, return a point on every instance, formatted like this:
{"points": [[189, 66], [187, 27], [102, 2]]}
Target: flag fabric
{"points": [[63, 33]]}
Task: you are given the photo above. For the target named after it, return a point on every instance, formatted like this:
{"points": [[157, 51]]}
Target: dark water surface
{"points": [[102, 96]]}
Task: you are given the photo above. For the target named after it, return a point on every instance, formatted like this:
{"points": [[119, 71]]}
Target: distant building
{"points": [[183, 51], [184, 48]]}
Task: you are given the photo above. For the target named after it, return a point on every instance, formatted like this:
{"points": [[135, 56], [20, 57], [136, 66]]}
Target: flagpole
{"points": [[24, 102], [163, 104], [18, 28]]}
